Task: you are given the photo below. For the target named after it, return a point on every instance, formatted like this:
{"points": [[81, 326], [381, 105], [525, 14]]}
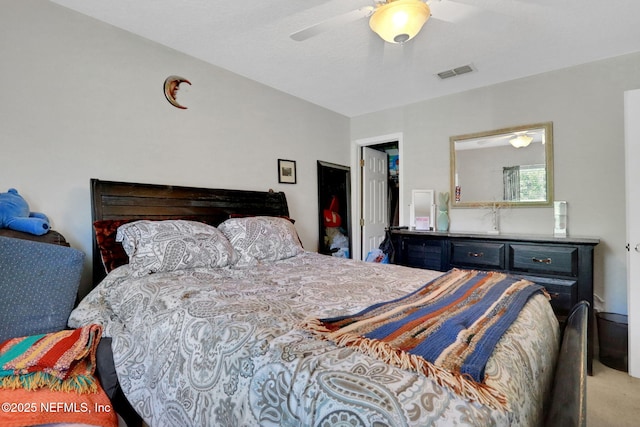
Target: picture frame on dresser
{"points": [[422, 213]]}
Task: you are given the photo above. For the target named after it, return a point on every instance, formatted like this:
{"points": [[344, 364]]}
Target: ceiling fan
{"points": [[518, 139], [395, 21]]}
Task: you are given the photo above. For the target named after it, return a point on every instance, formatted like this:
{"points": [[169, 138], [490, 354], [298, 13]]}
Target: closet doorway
{"points": [[393, 181], [334, 203], [377, 196]]}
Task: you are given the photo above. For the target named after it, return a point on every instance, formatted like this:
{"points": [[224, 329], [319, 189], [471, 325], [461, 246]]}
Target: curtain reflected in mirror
{"points": [[511, 182], [508, 167]]}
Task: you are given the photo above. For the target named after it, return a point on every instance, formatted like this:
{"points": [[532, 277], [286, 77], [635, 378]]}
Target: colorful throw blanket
{"points": [[446, 329], [62, 360]]}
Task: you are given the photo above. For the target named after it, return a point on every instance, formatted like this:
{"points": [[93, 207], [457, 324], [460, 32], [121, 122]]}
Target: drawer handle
{"points": [[541, 261], [554, 295], [476, 254]]}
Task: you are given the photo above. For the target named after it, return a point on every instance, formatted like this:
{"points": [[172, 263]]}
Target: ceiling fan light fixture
{"points": [[521, 141], [398, 21]]}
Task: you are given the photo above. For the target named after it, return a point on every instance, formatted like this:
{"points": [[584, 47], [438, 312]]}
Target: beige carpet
{"points": [[613, 398]]}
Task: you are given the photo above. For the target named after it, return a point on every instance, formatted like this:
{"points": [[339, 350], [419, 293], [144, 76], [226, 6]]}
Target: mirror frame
{"points": [[548, 128]]}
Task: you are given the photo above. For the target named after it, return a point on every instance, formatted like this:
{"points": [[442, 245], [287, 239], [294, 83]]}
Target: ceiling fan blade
{"points": [[330, 23], [451, 11]]}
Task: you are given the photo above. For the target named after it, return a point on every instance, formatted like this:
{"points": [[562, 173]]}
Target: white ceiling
{"points": [[350, 70]]}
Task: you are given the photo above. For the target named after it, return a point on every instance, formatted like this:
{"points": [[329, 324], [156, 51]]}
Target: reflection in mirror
{"points": [[505, 167], [422, 210]]}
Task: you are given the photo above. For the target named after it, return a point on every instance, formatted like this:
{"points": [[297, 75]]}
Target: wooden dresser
{"points": [[563, 265]]}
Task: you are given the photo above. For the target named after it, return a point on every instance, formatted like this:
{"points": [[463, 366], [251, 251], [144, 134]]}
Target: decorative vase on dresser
{"points": [[443, 212]]}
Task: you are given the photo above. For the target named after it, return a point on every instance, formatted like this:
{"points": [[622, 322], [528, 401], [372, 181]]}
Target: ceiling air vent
{"points": [[455, 72]]}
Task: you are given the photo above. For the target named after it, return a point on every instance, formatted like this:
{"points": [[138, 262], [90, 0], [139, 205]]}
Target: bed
{"points": [[230, 345]]}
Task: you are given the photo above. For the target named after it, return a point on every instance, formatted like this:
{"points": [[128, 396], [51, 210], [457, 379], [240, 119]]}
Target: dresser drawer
{"points": [[564, 293], [544, 259], [477, 254], [422, 253]]}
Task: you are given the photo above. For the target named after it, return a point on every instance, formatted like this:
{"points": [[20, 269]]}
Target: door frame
{"points": [[356, 184], [632, 137]]}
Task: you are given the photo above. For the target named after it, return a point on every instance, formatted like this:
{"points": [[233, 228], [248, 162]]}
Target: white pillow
{"points": [[160, 246], [261, 239]]}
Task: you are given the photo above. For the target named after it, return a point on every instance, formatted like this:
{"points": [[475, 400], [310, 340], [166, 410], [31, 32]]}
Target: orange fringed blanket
{"points": [[62, 360]]}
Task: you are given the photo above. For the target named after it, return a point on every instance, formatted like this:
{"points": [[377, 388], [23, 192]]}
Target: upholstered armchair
{"points": [[38, 286]]}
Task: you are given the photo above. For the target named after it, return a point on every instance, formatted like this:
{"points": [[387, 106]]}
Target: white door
{"points": [[632, 159], [374, 199]]}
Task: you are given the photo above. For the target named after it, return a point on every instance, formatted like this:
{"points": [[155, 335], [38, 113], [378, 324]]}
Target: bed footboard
{"points": [[568, 406]]}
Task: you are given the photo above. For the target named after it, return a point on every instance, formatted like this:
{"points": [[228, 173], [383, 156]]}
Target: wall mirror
{"points": [[505, 167], [422, 213]]}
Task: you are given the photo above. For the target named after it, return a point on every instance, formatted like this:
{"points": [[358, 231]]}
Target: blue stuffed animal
{"points": [[15, 215]]}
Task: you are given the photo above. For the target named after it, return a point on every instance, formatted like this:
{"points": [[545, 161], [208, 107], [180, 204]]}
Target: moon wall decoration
{"points": [[171, 87]]}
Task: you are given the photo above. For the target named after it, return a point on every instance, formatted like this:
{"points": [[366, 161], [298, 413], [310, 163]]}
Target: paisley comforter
{"points": [[222, 347]]}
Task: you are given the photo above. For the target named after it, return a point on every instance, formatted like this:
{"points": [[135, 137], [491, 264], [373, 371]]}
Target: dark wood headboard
{"points": [[127, 200]]}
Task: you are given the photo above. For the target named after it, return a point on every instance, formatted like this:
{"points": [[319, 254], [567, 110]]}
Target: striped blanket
{"points": [[447, 329], [62, 360]]}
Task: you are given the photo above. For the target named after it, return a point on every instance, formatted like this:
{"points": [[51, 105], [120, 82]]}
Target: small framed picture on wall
{"points": [[286, 171]]}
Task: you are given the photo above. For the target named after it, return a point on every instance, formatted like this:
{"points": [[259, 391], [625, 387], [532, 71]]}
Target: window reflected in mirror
{"points": [[507, 167]]}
